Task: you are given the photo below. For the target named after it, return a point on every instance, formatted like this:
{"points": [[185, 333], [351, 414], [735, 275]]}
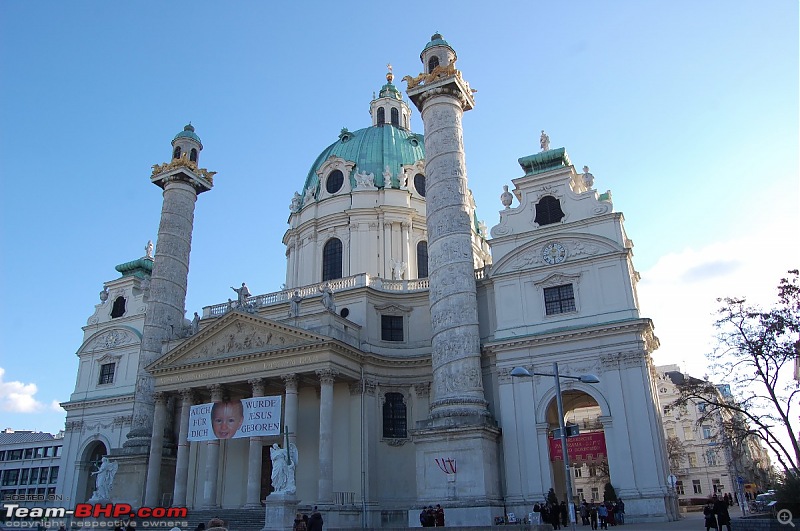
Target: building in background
{"points": [[30, 465], [703, 458], [392, 345]]}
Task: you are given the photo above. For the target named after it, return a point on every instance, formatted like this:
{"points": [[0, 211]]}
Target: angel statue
{"points": [[105, 478], [283, 468]]}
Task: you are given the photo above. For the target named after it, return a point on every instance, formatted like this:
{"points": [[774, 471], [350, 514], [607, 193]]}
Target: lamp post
{"points": [[522, 372]]}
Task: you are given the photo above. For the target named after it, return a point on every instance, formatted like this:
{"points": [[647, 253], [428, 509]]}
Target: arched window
{"points": [[548, 211], [118, 310], [334, 181], [176, 154], [381, 116], [332, 259], [193, 155], [394, 416], [433, 62], [395, 117], [422, 260], [419, 184]]}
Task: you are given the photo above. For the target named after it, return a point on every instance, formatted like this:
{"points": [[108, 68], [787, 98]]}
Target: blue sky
{"points": [[687, 111]]}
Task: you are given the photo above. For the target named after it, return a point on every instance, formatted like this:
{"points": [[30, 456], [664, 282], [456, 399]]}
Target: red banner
{"points": [[583, 448]]}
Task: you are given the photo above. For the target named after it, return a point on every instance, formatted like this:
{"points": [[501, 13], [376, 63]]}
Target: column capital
{"points": [[326, 376], [187, 395], [290, 381], [257, 384], [160, 397], [216, 392]]}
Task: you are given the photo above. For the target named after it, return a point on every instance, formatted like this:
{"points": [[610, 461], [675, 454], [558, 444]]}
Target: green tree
{"points": [[755, 355]]}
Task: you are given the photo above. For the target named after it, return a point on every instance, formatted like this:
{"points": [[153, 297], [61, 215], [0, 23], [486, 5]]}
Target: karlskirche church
{"points": [[387, 358]]}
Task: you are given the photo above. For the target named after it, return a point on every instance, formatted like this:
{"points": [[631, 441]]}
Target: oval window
{"points": [[334, 181], [419, 184]]}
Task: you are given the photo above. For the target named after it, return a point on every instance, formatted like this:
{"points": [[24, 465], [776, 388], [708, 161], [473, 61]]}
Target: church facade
{"points": [[392, 345]]}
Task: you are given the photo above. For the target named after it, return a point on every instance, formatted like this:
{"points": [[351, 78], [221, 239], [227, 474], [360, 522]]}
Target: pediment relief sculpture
{"points": [[109, 339], [534, 255]]}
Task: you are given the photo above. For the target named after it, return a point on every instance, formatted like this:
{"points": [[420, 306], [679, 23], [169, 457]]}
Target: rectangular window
{"points": [[48, 451], [688, 434], [34, 476], [595, 494], [580, 495], [667, 409], [10, 477], [51, 492], [717, 486], [592, 470], [711, 458], [56, 451], [394, 416], [679, 487], [706, 432], [2, 455], [38, 453], [559, 299], [670, 432], [392, 327], [13, 455], [696, 486], [53, 474], [692, 459], [23, 478], [578, 471], [43, 474], [106, 373], [28, 453], [702, 407]]}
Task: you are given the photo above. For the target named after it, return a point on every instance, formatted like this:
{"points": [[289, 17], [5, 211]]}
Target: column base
{"points": [[279, 512]]}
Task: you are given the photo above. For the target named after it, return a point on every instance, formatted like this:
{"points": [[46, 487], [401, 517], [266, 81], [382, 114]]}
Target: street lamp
{"points": [[522, 372]]}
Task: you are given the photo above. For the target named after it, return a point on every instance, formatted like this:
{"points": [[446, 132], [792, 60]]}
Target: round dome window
{"points": [[419, 184], [334, 181]]}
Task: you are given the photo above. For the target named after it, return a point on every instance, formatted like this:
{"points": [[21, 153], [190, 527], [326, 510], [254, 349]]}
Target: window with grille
{"points": [[394, 416], [559, 299], [106, 373], [422, 260], [332, 260], [392, 327], [548, 211]]}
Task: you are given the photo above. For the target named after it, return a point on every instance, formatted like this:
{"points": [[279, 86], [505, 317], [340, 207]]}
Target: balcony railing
{"points": [[340, 284]]}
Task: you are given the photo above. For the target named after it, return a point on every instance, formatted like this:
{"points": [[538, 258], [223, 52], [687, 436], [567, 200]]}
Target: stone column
{"points": [[290, 406], [254, 456], [212, 459], [156, 449], [167, 298], [325, 485], [182, 465], [457, 382], [405, 243]]}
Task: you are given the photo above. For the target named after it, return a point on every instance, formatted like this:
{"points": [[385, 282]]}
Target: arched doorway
{"points": [[588, 457], [90, 462]]}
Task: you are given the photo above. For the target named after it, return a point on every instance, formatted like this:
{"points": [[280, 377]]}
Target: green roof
{"points": [[188, 132], [544, 161], [390, 91], [141, 268], [436, 40], [372, 149]]}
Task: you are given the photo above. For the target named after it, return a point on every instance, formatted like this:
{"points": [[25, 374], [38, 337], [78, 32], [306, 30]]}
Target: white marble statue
{"points": [[105, 479], [588, 178], [398, 268], [544, 141], [327, 297], [242, 294], [284, 465], [195, 323], [365, 180], [294, 304], [296, 200], [148, 249], [309, 197]]}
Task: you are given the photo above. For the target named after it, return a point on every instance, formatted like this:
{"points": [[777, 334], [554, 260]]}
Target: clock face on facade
{"points": [[554, 253]]}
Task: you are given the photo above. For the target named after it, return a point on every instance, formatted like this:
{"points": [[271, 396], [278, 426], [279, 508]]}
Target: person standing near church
{"points": [[315, 521]]}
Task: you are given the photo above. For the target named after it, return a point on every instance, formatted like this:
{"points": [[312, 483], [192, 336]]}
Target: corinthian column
{"points": [[156, 451], [325, 485], [254, 456], [212, 459], [290, 415], [182, 465]]}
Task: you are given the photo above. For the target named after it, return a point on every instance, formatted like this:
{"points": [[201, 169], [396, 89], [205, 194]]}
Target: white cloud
{"points": [[18, 397], [680, 291]]}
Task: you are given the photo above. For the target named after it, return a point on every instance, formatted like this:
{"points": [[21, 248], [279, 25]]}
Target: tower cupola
{"points": [[389, 108], [187, 142], [437, 53]]}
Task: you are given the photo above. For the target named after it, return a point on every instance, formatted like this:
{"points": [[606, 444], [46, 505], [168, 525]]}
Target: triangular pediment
{"points": [[235, 335]]}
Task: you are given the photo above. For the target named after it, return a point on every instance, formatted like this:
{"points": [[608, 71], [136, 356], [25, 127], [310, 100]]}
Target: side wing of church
{"points": [[391, 349]]}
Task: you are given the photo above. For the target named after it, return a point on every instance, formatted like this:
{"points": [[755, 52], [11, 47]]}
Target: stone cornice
{"points": [[97, 402], [641, 326]]}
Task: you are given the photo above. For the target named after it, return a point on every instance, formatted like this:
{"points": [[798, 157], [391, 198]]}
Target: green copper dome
{"points": [[188, 132], [436, 40], [372, 149]]}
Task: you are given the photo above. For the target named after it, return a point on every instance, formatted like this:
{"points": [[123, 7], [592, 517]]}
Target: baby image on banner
{"points": [[235, 419]]}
